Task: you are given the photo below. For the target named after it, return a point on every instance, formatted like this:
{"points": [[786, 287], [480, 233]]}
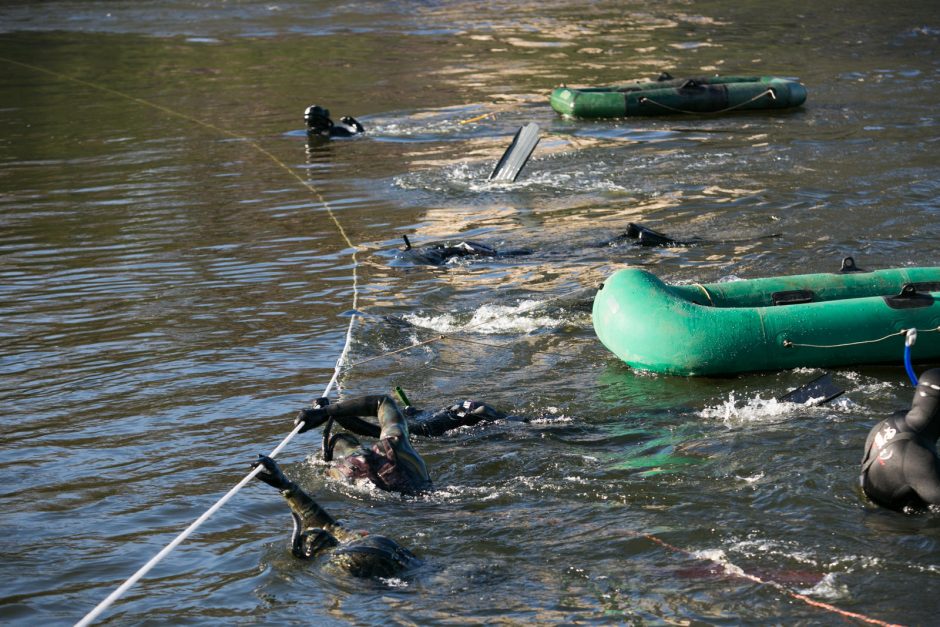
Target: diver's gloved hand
{"points": [[352, 122], [312, 417], [270, 473]]}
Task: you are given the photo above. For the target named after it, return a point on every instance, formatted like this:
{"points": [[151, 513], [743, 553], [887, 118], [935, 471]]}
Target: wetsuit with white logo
{"points": [[901, 468]]}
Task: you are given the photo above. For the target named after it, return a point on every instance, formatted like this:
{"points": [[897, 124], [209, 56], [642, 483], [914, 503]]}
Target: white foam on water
{"points": [[577, 181], [551, 420], [448, 493], [753, 479], [754, 547], [719, 557], [870, 388], [474, 177], [757, 409], [855, 562], [734, 412], [489, 320], [827, 588]]}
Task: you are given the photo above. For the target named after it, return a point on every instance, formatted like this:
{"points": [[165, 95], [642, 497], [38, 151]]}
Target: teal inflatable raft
{"points": [[713, 94], [817, 320]]}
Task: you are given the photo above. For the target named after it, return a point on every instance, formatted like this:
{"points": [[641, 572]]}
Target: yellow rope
{"points": [[204, 124], [475, 119], [227, 133]]}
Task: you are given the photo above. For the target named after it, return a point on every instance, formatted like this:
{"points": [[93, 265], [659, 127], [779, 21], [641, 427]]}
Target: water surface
{"points": [[171, 295]]}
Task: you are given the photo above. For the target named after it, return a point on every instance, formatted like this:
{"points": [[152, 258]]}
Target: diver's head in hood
{"points": [[924, 417], [373, 556], [317, 118]]}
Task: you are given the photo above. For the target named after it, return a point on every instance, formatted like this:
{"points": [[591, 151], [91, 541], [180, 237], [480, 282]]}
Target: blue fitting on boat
{"points": [[909, 340]]}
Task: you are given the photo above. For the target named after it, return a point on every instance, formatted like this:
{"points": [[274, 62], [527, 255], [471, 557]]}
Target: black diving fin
{"points": [[518, 153], [821, 390]]}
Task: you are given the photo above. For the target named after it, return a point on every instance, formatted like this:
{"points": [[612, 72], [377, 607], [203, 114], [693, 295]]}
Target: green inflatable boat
{"points": [[817, 320], [666, 96]]}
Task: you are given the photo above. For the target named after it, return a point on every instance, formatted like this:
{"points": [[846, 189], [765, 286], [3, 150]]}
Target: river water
{"points": [[172, 294]]}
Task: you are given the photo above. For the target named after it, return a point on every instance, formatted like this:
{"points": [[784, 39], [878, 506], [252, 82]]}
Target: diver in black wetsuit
{"points": [[319, 124], [644, 236], [464, 414], [317, 533], [391, 463], [640, 235], [440, 253], [901, 469]]}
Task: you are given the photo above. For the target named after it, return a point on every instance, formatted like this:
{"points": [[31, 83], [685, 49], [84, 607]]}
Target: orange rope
{"points": [[794, 595]]}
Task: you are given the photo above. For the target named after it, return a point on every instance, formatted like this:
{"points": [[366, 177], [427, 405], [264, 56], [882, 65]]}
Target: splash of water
{"points": [[491, 319], [733, 412]]}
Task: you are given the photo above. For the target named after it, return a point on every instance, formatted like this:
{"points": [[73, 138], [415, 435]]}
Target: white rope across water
{"points": [[111, 598], [156, 559], [334, 381]]}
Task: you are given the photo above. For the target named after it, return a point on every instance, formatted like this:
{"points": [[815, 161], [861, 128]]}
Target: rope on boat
{"points": [[334, 381], [766, 92], [707, 294], [791, 344]]}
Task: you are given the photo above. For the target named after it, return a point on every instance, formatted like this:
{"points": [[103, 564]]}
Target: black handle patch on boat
{"points": [[911, 296], [926, 286], [793, 297], [848, 265]]}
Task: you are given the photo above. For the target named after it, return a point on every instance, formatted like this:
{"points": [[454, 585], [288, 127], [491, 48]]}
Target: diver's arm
{"points": [[434, 425], [922, 472], [309, 512], [347, 413], [304, 510], [359, 426], [350, 413], [312, 516]]}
